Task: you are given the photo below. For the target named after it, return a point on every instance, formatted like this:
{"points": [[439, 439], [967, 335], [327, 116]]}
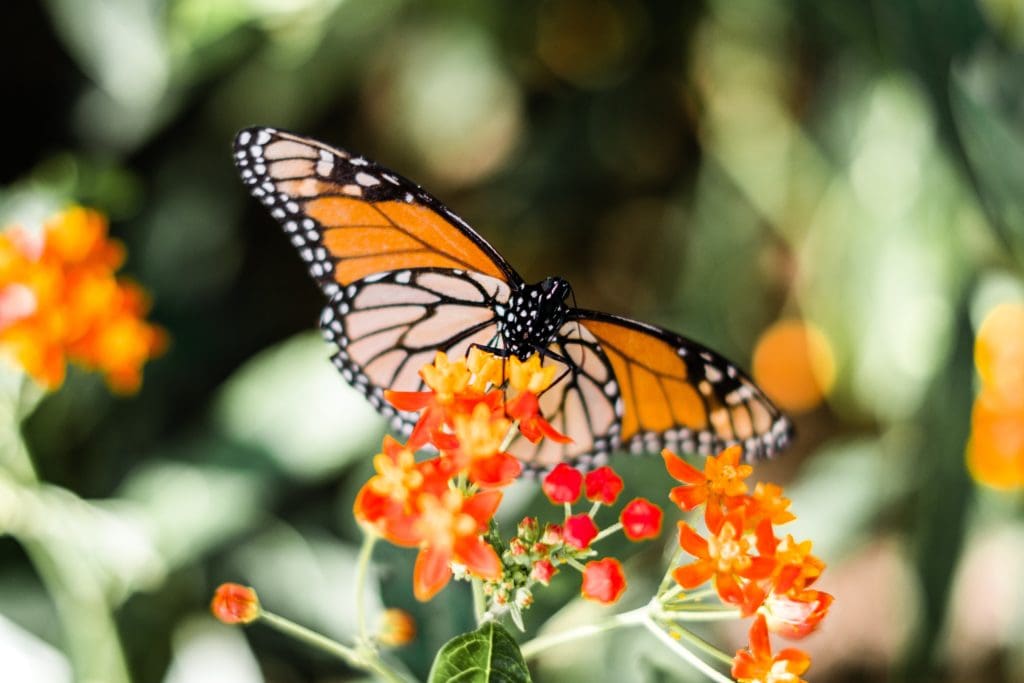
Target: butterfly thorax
{"points": [[533, 316]]}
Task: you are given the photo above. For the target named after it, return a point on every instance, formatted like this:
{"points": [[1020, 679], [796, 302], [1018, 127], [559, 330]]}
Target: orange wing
{"points": [[678, 394], [350, 218]]}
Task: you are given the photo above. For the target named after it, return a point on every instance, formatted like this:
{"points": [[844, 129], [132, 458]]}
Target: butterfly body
{"points": [[533, 317], [405, 277]]}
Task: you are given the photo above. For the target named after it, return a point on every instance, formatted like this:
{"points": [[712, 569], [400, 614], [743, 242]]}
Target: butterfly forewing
{"points": [[350, 218]]}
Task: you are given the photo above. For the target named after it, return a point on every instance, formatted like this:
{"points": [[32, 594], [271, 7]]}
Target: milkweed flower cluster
{"points": [[535, 554], [749, 566], [444, 505], [60, 301]]}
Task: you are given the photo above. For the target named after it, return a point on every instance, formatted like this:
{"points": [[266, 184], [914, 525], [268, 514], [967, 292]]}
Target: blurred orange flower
{"points": [[60, 301], [995, 451], [794, 365]]}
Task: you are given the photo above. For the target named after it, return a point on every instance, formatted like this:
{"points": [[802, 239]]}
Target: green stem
{"points": [[703, 645], [607, 531], [594, 508], [93, 643], [676, 647], [667, 579], [358, 659], [534, 647], [362, 567], [512, 432], [479, 600], [708, 614]]}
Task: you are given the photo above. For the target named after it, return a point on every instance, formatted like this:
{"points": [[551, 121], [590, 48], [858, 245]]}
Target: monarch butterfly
{"points": [[406, 277]]}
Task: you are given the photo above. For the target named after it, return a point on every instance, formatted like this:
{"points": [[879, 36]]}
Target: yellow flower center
{"points": [[780, 673], [728, 550], [441, 520], [446, 378], [396, 479]]}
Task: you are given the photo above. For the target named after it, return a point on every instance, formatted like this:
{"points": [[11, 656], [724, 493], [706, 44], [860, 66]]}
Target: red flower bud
{"points": [[552, 535], [563, 484], [543, 570], [603, 485], [579, 531], [235, 604], [641, 520], [603, 580]]}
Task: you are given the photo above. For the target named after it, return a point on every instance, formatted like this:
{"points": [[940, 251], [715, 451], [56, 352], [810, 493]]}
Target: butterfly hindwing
{"points": [[583, 404], [350, 218], [389, 325], [681, 395]]}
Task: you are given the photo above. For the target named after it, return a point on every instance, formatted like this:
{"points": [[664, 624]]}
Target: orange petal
{"points": [[798, 661], [481, 507], [431, 573], [691, 541], [479, 557], [760, 646], [500, 469], [692, 575], [728, 589], [688, 497], [680, 470]]}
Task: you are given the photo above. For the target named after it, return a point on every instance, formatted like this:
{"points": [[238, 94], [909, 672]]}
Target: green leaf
{"points": [[484, 655]]}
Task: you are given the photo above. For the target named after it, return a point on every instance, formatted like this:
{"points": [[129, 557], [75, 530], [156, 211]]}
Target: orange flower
{"points": [[388, 501], [235, 604], [530, 379], [758, 665], [450, 526], [720, 482], [451, 392], [794, 616], [480, 436], [60, 302], [768, 502], [795, 567], [726, 555]]}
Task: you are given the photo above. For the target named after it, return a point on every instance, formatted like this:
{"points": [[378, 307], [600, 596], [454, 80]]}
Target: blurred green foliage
{"points": [[710, 166]]}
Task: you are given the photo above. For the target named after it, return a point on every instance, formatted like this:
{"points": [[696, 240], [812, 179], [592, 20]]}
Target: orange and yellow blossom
{"points": [[726, 556], [451, 525], [480, 436], [453, 389], [757, 664], [389, 501], [529, 378], [60, 301], [721, 482], [795, 615], [795, 567]]}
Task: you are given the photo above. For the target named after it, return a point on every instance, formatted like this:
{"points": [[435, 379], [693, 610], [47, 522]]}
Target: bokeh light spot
{"points": [[793, 363], [999, 351]]}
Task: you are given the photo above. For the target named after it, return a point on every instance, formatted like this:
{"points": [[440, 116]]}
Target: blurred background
{"points": [[829, 192]]}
